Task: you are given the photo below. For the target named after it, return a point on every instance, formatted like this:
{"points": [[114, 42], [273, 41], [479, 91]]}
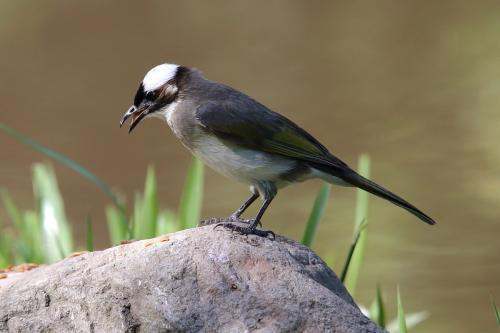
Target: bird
{"points": [[242, 139]]}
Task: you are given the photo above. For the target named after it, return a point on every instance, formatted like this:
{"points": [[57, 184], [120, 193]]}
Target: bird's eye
{"points": [[151, 95]]}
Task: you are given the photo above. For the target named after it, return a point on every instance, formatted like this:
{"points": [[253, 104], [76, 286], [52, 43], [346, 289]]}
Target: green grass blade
{"points": [[90, 234], [401, 315], [9, 245], [353, 266], [167, 223], [117, 226], [495, 310], [22, 247], [4, 259], [362, 196], [11, 209], [350, 254], [63, 159], [316, 214], [137, 228], [377, 310], [192, 196], [5, 247], [354, 263], [34, 238], [57, 238], [27, 227], [149, 207]]}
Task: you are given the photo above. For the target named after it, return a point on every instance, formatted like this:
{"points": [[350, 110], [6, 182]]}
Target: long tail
{"points": [[357, 180]]}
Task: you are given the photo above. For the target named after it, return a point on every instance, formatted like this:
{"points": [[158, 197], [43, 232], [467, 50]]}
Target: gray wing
{"points": [[247, 123]]}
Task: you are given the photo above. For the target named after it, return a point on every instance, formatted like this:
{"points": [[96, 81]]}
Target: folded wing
{"points": [[252, 125]]}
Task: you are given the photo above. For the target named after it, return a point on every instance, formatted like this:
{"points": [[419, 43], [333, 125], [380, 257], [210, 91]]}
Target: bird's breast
{"points": [[181, 119], [243, 164]]}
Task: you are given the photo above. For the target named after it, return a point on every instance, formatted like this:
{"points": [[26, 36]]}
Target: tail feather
{"points": [[357, 180]]}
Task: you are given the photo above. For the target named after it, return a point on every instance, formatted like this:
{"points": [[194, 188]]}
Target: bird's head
{"points": [[157, 91]]}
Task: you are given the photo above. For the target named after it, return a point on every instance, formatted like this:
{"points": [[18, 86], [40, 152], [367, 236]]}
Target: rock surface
{"points": [[197, 280]]}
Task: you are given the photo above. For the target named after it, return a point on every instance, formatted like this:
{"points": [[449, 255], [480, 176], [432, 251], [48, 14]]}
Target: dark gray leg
{"points": [[236, 215], [262, 210], [269, 192]]}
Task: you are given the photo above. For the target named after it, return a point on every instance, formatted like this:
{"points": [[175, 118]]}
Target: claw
{"points": [[218, 225]]}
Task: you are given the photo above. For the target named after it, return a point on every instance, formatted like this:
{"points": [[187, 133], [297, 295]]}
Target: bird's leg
{"points": [[236, 215], [252, 228], [262, 210]]}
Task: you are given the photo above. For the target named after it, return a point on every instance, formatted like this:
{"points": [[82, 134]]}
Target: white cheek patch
{"points": [[166, 113], [158, 76]]}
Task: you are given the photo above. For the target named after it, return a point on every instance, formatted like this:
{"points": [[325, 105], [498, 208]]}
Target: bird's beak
{"points": [[137, 115]]}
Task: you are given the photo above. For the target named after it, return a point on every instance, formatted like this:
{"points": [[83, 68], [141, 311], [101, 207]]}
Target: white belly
{"points": [[245, 165]]}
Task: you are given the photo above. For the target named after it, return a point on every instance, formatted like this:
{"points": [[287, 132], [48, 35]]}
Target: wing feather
{"points": [[250, 124]]}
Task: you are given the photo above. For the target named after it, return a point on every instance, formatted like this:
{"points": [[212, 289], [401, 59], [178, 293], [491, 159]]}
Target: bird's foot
{"points": [[250, 230], [231, 219]]}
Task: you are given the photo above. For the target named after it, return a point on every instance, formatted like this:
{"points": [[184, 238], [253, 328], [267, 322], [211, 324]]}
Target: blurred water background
{"points": [[414, 84]]}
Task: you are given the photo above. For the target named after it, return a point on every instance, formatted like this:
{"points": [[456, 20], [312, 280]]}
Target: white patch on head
{"points": [[158, 76]]}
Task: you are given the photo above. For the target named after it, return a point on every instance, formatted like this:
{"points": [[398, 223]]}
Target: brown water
{"points": [[414, 84]]}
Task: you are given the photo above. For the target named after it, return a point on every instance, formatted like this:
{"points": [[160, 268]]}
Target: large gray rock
{"points": [[197, 280]]}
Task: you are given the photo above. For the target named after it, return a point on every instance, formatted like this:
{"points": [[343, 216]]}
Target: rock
{"points": [[195, 280]]}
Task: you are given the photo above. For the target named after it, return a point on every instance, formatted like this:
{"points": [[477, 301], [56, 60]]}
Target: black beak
{"points": [[137, 115], [127, 114]]}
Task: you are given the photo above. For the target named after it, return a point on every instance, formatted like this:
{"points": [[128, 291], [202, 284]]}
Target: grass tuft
{"points": [[316, 214], [57, 237], [377, 310], [192, 196], [117, 226], [146, 208], [401, 315]]}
